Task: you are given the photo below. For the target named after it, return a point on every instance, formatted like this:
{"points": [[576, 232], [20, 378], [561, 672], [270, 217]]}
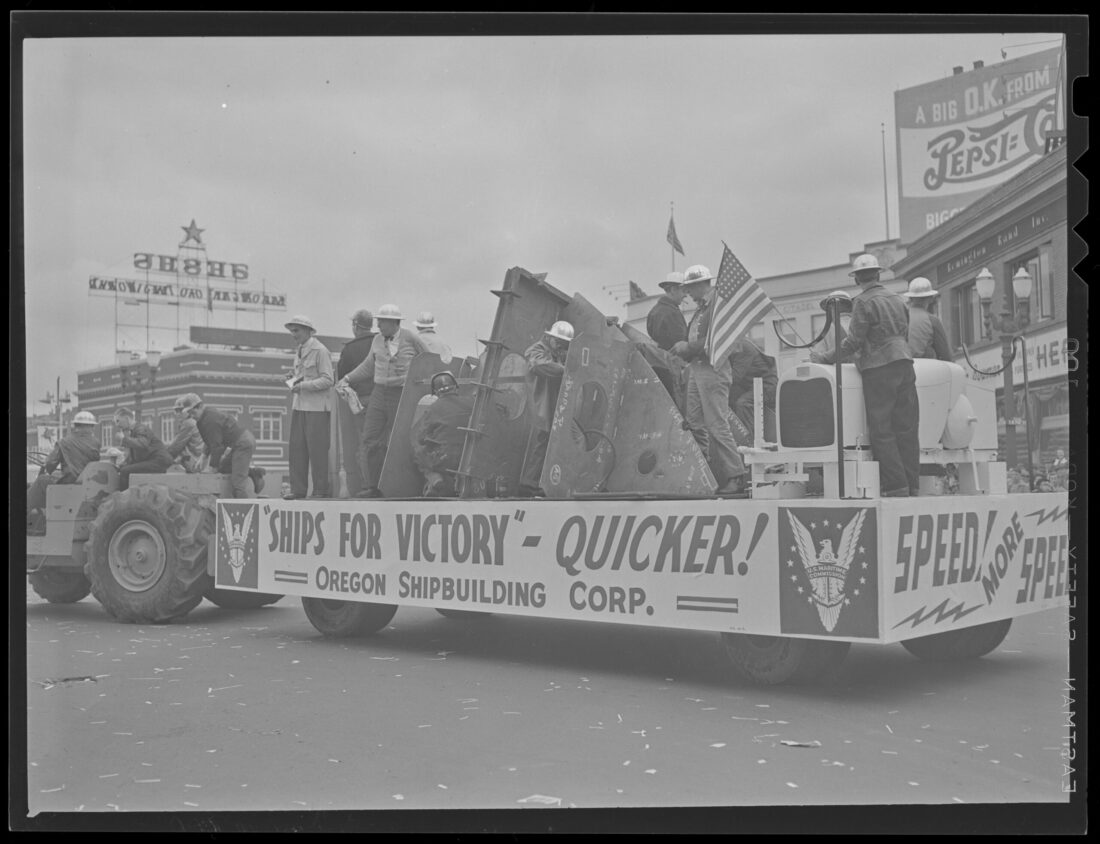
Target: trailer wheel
{"points": [[60, 586], [968, 643], [463, 615], [231, 599], [769, 660], [146, 554], [338, 619]]}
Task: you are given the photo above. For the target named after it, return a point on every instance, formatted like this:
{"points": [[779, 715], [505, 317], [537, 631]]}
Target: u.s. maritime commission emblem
{"points": [[237, 545], [828, 579]]}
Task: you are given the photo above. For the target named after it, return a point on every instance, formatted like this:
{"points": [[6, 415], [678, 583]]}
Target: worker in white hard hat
{"points": [[927, 337], [545, 368], [64, 464], [708, 389], [822, 349], [666, 324], [425, 327], [391, 352], [878, 340], [351, 422], [228, 445], [147, 454], [310, 382], [187, 446]]}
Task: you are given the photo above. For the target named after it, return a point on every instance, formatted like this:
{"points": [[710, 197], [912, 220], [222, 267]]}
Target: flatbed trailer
{"points": [[788, 584], [633, 532]]}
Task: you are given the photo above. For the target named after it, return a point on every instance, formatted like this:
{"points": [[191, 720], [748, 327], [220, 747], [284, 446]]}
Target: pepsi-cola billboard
{"points": [[959, 137]]}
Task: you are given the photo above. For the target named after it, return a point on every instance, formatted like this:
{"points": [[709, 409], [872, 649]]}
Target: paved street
{"points": [[254, 710]]}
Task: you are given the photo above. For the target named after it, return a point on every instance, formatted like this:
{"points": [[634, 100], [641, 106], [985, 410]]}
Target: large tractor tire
{"points": [[770, 660], [146, 554], [968, 643], [337, 619], [231, 599], [60, 586]]}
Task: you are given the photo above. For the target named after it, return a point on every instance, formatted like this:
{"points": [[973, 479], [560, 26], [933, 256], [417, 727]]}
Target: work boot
{"points": [[734, 487], [527, 491], [370, 492]]}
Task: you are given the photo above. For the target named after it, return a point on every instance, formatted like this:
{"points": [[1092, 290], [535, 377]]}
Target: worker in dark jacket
{"points": [[878, 337], [748, 363], [70, 455], [228, 447], [351, 424], [707, 399], [927, 337], [545, 368], [148, 455], [666, 324]]}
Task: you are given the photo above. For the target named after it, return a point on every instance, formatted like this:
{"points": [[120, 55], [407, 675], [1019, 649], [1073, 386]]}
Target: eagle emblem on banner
{"points": [[236, 539], [826, 567]]}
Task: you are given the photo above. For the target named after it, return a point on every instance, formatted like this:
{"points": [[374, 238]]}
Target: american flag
{"points": [[738, 304], [672, 238]]}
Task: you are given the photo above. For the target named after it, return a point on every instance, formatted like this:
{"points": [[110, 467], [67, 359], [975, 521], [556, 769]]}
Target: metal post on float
{"points": [[839, 398]]}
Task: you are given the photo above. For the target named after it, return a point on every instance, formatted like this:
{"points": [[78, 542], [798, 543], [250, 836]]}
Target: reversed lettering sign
{"points": [[951, 566]]}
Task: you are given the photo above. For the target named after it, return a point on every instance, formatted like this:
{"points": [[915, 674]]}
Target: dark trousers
{"points": [[154, 466], [890, 396], [745, 408], [536, 456], [236, 462], [309, 443], [351, 446], [379, 415]]}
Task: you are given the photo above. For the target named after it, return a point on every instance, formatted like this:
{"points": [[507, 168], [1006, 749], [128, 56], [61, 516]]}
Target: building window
{"points": [[167, 428], [756, 335], [817, 322], [1040, 267], [268, 426], [106, 433], [788, 330], [965, 315], [147, 421]]}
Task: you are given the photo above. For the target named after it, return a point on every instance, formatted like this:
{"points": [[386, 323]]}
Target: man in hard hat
{"points": [[545, 368], [438, 433], [666, 324], [187, 446], [148, 455], [351, 424], [310, 417], [227, 445], [878, 339], [823, 348], [927, 337], [425, 327], [68, 458], [747, 363], [391, 352], [708, 389]]}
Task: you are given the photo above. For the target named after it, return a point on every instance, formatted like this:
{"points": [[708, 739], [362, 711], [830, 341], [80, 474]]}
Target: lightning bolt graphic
{"points": [[923, 614], [1054, 515]]}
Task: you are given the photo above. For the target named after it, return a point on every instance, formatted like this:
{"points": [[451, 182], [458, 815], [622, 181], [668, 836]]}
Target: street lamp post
{"points": [[55, 406], [1013, 320], [137, 374]]}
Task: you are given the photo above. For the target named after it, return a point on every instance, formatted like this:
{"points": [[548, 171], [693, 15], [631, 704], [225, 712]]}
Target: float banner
{"points": [[956, 562], [704, 564], [961, 136]]}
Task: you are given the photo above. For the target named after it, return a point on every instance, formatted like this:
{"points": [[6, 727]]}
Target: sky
{"points": [[352, 172]]}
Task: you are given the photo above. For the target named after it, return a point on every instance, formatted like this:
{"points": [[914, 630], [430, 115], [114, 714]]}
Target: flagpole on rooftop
{"points": [[885, 196]]}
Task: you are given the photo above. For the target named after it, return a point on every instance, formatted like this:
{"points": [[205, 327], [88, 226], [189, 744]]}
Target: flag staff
{"points": [[671, 247], [885, 196]]}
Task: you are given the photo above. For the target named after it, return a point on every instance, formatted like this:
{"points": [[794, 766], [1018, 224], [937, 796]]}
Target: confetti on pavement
{"points": [[790, 743], [541, 799], [719, 744]]}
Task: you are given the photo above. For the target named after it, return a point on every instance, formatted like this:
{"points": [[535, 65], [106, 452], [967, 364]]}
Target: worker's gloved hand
{"points": [[680, 348]]}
